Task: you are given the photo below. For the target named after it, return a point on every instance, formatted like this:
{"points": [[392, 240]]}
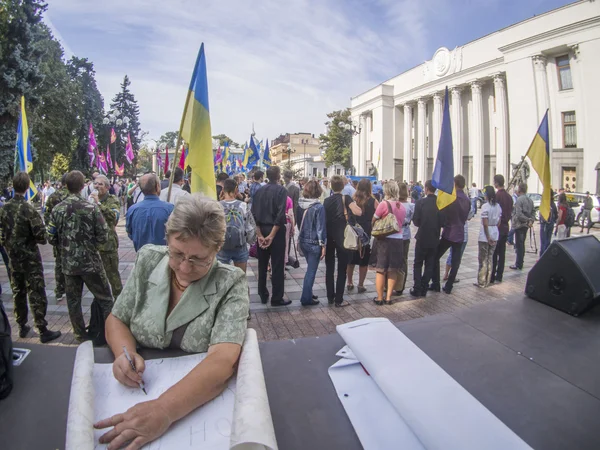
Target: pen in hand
{"points": [[142, 387]]}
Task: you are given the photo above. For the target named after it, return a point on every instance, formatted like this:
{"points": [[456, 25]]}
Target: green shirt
{"points": [[111, 210], [216, 306]]}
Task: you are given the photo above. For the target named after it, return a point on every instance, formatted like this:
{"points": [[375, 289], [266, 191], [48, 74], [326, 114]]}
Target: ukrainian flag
{"points": [[267, 156], [23, 157], [195, 130], [539, 155], [443, 173], [252, 155]]}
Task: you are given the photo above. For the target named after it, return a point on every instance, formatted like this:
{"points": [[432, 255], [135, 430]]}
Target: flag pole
{"points": [[187, 101], [525, 156]]}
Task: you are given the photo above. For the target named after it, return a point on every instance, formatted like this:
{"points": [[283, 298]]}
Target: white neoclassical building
{"points": [[499, 89]]}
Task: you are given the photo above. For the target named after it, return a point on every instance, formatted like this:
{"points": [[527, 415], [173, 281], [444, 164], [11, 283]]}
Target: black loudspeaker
{"points": [[567, 276]]}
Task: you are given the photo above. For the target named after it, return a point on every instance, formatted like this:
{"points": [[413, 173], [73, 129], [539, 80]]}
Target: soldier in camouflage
{"points": [[78, 228], [109, 252], [54, 199], [21, 230]]}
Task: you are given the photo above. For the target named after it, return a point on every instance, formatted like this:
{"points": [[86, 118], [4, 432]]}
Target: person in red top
{"points": [[506, 203], [390, 250], [561, 227]]}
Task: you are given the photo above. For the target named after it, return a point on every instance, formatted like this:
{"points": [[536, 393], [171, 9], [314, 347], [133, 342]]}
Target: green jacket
{"points": [[21, 230], [55, 198], [78, 228], [216, 306], [111, 210]]}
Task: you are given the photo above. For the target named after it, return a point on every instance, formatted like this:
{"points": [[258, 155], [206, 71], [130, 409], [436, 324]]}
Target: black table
{"points": [[552, 400]]}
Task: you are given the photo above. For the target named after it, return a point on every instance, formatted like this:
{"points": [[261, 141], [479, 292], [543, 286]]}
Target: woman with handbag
{"points": [[387, 227], [336, 215], [367, 203], [312, 238], [410, 209]]}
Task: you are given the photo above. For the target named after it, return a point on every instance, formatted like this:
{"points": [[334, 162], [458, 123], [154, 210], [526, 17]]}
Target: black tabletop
{"points": [[535, 368]]}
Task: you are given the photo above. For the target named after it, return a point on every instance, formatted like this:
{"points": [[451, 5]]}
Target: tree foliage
{"points": [[169, 139], [19, 71], [337, 141], [124, 106], [60, 166], [223, 138]]}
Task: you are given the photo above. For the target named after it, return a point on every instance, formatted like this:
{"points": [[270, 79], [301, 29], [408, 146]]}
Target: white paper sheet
{"points": [[440, 413], [240, 417]]}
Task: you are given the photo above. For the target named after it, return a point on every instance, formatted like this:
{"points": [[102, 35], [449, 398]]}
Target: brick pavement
{"points": [[295, 321]]}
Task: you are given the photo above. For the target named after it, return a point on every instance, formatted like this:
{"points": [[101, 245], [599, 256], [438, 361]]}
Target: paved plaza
{"points": [[296, 321]]}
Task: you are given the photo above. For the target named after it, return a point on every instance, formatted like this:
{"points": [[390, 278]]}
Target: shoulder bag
{"points": [[355, 238], [387, 225]]}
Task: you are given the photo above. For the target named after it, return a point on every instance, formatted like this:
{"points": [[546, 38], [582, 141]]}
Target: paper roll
{"points": [[80, 421], [252, 423]]}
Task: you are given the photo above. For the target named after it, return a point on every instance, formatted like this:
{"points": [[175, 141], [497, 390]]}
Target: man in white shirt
{"points": [[176, 191], [474, 195]]}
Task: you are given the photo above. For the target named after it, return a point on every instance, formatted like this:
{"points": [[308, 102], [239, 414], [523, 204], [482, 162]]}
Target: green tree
{"points": [[89, 106], [19, 71], [125, 108], [53, 122], [169, 139], [60, 166], [337, 141], [223, 138], [144, 159]]}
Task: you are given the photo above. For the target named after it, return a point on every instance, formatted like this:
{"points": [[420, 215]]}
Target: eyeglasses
{"points": [[179, 257]]}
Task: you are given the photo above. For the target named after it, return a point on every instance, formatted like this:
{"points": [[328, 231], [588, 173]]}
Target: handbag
{"points": [[355, 237], [387, 225], [253, 252]]}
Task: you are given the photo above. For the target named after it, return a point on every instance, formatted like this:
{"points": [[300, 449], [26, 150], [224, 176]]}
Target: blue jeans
{"points": [[312, 253], [546, 230], [474, 205], [511, 236], [237, 256]]}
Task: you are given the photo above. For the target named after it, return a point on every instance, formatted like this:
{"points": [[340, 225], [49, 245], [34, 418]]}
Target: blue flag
{"points": [[267, 156], [443, 173], [251, 156]]}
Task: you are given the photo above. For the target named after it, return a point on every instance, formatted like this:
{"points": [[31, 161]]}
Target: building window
{"points": [[314, 171], [569, 129], [325, 172], [564, 72]]}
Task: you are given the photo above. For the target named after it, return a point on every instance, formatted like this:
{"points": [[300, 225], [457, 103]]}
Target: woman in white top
{"points": [[488, 236]]}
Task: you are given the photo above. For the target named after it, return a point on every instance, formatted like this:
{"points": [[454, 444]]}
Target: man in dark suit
{"points": [[429, 220], [454, 216]]}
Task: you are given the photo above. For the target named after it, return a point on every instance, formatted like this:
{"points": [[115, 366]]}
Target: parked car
{"points": [[537, 200], [575, 201]]}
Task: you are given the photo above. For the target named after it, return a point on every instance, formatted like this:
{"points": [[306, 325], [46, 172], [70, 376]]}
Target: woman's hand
{"points": [[141, 424], [125, 374], [322, 253]]}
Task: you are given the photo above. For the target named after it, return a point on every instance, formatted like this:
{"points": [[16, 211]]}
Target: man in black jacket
{"points": [[429, 220]]}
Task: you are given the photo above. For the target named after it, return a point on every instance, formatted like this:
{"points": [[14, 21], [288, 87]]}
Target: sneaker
{"points": [[24, 331], [49, 335]]}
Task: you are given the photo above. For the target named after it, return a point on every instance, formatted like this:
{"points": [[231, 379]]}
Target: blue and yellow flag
{"points": [[443, 173], [23, 157], [251, 155], [195, 130], [539, 155], [267, 156]]}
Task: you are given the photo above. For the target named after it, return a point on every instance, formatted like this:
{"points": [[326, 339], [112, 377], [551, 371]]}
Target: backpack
{"points": [[6, 349], [235, 233], [570, 219]]}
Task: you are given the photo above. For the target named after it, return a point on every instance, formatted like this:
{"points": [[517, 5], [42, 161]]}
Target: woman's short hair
{"points": [[103, 179], [197, 217], [402, 192], [337, 183], [390, 190], [312, 190]]}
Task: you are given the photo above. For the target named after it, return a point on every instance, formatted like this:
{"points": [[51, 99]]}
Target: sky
{"points": [[280, 65]]}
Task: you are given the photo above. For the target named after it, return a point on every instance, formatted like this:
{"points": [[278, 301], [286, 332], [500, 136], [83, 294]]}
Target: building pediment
{"points": [[444, 62]]}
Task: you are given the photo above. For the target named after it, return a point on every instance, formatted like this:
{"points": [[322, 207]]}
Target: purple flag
{"points": [[92, 145], [129, 150]]}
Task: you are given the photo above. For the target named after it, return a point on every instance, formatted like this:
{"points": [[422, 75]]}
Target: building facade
{"points": [[500, 87], [299, 147]]}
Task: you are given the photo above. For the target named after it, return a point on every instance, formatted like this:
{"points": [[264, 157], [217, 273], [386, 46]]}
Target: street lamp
{"points": [[289, 150], [304, 142], [353, 128], [115, 118]]}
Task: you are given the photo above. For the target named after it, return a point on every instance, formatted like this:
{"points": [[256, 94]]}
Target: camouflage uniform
{"points": [[109, 252], [21, 230], [53, 200], [78, 228]]}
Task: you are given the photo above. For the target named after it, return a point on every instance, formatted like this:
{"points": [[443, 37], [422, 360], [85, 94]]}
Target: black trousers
{"points": [[520, 236], [423, 256], [443, 247], [498, 259], [335, 291], [276, 253]]}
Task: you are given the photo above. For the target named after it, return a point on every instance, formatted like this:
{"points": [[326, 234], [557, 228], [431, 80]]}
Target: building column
{"points": [[407, 164], [438, 112], [421, 139], [541, 84], [502, 156], [457, 119], [476, 134]]}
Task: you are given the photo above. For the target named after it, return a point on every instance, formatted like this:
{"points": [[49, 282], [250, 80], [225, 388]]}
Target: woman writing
{"points": [[336, 214], [178, 296], [367, 203], [488, 236], [312, 238], [390, 250]]}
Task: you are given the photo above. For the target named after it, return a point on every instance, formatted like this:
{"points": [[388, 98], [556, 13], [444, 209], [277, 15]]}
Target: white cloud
{"points": [[281, 65]]}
